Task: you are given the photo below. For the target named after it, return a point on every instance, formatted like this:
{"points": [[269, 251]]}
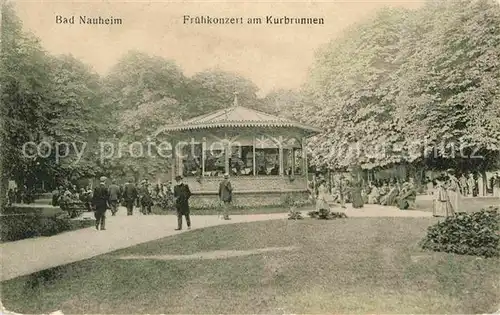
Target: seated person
{"points": [[262, 171], [407, 197], [383, 191], [374, 195], [275, 170], [390, 198], [364, 194], [56, 195]]}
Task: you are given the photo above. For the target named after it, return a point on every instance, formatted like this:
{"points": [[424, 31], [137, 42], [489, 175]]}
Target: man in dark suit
{"points": [[225, 195], [146, 199], [181, 197], [114, 196], [100, 203], [129, 195], [141, 190]]}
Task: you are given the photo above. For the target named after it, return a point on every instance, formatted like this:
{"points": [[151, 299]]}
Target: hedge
{"points": [[27, 225]]}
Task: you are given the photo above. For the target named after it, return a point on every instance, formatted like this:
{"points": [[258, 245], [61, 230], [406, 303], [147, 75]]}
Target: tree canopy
{"points": [[46, 99], [408, 86]]}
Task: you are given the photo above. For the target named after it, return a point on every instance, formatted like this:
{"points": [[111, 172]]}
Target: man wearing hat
{"points": [[141, 193], [129, 195], [181, 197], [114, 196], [100, 203], [146, 199], [225, 195]]}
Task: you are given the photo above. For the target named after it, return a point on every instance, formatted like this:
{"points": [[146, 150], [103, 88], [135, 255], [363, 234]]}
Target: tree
{"points": [[395, 88], [143, 93], [24, 78], [349, 93], [138, 78], [46, 101], [282, 103], [451, 83], [214, 89], [75, 116]]}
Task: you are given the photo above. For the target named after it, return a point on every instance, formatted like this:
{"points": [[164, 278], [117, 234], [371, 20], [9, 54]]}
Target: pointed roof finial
{"points": [[235, 102]]}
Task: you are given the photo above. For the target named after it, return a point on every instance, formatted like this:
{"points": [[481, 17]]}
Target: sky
{"points": [[272, 56]]}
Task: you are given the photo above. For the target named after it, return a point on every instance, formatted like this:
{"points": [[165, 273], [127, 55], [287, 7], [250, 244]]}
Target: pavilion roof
{"points": [[237, 116]]}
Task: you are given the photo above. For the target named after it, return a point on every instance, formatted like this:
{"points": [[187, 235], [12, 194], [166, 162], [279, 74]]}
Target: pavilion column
{"points": [[280, 147], [203, 149], [304, 157], [226, 154], [253, 156], [174, 159], [293, 161]]}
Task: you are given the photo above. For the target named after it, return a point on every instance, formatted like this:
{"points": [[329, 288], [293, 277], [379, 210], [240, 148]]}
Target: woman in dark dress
{"points": [[357, 198]]}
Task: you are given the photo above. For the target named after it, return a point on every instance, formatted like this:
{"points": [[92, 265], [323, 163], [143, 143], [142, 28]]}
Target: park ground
{"points": [[354, 265]]}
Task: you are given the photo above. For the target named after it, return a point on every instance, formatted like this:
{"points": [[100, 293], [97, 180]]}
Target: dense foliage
{"points": [[45, 99], [407, 82], [16, 227], [466, 234]]}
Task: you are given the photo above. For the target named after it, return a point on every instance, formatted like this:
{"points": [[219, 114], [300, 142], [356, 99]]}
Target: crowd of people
{"points": [[344, 190], [143, 196], [446, 189], [19, 195]]}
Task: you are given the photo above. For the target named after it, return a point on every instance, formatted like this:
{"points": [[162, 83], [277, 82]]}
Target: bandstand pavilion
{"points": [[264, 155]]}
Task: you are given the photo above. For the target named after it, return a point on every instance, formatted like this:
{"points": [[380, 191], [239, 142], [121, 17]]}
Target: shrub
{"points": [[288, 200], [21, 226], [466, 234], [325, 214]]}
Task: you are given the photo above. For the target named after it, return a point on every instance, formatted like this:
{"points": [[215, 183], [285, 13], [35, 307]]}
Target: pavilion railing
{"points": [[248, 184]]}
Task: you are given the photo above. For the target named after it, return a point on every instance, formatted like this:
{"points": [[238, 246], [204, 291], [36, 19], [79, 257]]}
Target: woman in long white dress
{"points": [[480, 185], [453, 190], [471, 182], [440, 200], [442, 206], [430, 187]]}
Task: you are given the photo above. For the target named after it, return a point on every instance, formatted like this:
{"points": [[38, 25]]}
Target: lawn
{"points": [[355, 265]]}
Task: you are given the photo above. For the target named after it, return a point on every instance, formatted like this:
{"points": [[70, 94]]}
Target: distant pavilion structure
{"points": [[263, 154]]}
